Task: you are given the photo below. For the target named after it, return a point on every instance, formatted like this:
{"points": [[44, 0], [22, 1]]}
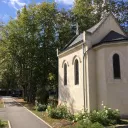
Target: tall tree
{"points": [[84, 13], [90, 12]]}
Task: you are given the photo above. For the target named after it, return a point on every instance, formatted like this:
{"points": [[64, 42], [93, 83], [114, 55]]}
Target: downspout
{"points": [[57, 89], [84, 87]]}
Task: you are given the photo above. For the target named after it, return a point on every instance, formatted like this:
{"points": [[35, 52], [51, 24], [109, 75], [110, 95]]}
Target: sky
{"points": [[8, 8]]}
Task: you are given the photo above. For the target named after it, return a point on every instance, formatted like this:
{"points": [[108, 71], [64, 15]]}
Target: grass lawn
{"points": [[4, 124], [55, 123], [1, 103]]}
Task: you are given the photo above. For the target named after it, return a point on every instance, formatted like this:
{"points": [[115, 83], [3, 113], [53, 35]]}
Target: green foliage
{"points": [[3, 124], [119, 8], [86, 123], [98, 119], [105, 117], [65, 30], [42, 97], [100, 116], [31, 49], [93, 119], [88, 13], [41, 107], [28, 57], [59, 112], [53, 102], [77, 116]]}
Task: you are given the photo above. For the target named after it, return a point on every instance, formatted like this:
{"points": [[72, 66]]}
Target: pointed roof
{"points": [[112, 37], [75, 40], [97, 26]]}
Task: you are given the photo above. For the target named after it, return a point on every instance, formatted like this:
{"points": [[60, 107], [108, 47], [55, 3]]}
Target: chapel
{"points": [[93, 68]]}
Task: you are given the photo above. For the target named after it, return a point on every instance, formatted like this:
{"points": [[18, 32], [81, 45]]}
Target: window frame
{"points": [[116, 66], [65, 74], [76, 72]]}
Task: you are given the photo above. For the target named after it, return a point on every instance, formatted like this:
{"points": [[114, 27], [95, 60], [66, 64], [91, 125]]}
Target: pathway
{"points": [[20, 117]]}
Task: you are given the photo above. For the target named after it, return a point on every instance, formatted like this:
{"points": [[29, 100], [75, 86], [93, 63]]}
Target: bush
{"points": [[77, 117], [86, 123], [96, 125], [41, 107], [100, 116], [105, 117], [3, 124], [113, 115], [53, 102], [95, 119], [58, 113]]}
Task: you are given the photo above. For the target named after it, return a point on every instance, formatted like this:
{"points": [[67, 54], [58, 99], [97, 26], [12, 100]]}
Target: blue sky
{"points": [[8, 8]]}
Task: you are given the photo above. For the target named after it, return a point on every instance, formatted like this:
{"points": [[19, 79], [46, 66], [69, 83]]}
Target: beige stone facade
{"points": [[97, 84]]}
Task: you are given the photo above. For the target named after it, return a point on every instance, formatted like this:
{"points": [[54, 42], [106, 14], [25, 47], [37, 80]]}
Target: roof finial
{"points": [[77, 29]]}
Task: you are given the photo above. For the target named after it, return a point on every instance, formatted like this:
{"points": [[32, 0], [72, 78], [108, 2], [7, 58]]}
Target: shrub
{"points": [[80, 116], [70, 117], [96, 125], [86, 123], [95, 119], [2, 124], [41, 107], [53, 102], [100, 117], [58, 113], [105, 117], [113, 115]]}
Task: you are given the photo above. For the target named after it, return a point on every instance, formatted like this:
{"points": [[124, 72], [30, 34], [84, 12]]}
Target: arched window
{"points": [[65, 74], [76, 72], [116, 66]]}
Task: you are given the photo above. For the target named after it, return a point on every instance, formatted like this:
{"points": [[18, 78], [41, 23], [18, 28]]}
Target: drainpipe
{"points": [[85, 93], [57, 89], [84, 88]]}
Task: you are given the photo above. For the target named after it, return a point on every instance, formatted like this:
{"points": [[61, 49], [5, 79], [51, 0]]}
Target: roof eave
{"points": [[70, 48], [110, 43]]}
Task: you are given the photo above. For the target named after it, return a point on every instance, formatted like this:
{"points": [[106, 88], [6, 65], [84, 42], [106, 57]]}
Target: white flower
{"points": [[117, 110], [76, 119], [83, 116], [106, 111], [102, 103], [105, 107]]}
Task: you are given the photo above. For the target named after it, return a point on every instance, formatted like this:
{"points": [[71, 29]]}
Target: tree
{"points": [[84, 13], [88, 12], [65, 22], [119, 8], [32, 48]]}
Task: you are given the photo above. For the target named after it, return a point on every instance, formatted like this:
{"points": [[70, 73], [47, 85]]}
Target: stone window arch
{"points": [[116, 66], [64, 61], [76, 57]]}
